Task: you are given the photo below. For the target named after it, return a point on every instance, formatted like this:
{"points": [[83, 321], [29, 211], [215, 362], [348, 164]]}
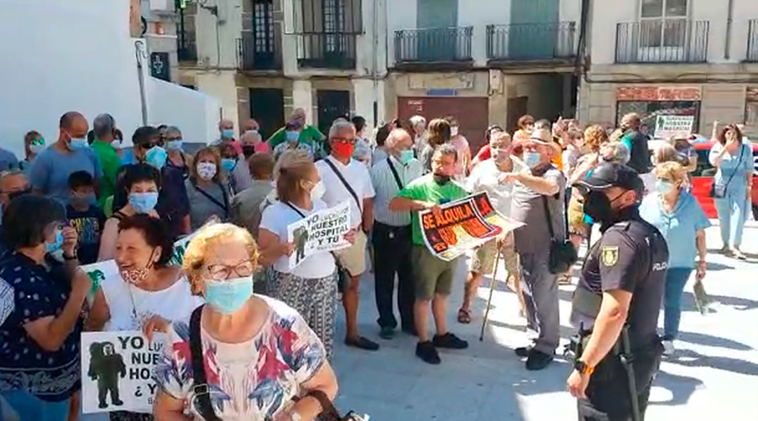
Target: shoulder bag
{"points": [[330, 412], [562, 252], [345, 183], [394, 174], [343, 279], [224, 206], [200, 388], [719, 192]]}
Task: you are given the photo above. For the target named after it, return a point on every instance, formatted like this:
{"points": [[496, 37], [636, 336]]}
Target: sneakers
{"points": [[428, 353], [668, 348], [537, 360], [427, 350]]}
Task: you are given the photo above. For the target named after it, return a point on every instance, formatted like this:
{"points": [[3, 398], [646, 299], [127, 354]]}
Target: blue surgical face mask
{"points": [[228, 164], [156, 156], [292, 136], [76, 144], [143, 202], [175, 145], [226, 297], [37, 148], [664, 187], [406, 156], [57, 243], [532, 159], [227, 134]]}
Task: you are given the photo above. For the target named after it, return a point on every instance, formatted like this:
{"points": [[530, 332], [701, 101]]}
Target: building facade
{"points": [[155, 21], [482, 61], [681, 57], [264, 58]]}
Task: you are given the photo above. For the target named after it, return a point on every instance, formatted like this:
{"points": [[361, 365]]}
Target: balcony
{"points": [[436, 47], [257, 54], [326, 51], [531, 42], [662, 41], [186, 50], [752, 42]]}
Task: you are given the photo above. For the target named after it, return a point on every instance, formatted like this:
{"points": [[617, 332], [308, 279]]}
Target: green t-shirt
{"points": [[110, 162], [426, 189], [310, 136]]}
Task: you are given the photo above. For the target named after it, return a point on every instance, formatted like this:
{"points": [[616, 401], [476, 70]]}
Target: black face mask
{"points": [[441, 179], [598, 206], [248, 150]]}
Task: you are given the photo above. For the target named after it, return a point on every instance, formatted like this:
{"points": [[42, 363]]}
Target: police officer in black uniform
{"points": [[616, 303]]}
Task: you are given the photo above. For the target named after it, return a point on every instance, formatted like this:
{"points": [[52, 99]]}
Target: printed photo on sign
{"points": [[321, 231], [117, 371], [456, 227]]}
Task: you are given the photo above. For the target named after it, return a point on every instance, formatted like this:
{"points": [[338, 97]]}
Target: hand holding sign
{"points": [[350, 236], [154, 324], [70, 240]]}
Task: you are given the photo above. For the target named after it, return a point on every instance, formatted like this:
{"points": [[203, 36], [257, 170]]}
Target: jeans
{"points": [[676, 279], [732, 211], [30, 407]]}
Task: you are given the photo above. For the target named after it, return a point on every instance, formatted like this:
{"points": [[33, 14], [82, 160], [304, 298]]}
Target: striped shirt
{"points": [[386, 189]]}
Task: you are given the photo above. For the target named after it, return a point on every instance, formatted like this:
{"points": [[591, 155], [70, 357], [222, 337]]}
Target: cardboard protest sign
{"points": [[321, 231], [117, 371], [668, 126], [462, 225], [180, 246]]}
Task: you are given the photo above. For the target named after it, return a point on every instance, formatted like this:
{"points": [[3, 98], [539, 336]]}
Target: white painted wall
{"points": [[607, 13], [217, 36]]}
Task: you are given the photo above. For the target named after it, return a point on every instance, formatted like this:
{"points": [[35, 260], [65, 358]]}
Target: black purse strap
{"points": [[394, 174], [344, 183], [550, 220], [200, 389], [215, 201], [742, 150], [329, 411]]}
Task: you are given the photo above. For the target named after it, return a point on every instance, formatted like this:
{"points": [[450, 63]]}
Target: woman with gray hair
{"points": [[418, 130]]}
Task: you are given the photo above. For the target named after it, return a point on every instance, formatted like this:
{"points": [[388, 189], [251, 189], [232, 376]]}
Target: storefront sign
{"points": [[658, 93]]}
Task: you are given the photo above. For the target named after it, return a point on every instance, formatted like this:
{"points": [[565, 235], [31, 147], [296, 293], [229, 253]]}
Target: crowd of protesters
{"points": [[84, 199]]}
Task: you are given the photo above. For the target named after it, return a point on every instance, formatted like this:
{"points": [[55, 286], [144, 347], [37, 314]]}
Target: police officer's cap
{"points": [[611, 174]]}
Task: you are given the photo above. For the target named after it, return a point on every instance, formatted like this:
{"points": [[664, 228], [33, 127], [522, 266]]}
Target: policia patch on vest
{"points": [[609, 255]]}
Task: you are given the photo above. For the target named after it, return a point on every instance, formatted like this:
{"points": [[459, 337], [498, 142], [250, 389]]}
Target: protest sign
{"points": [[458, 226], [180, 246], [321, 231], [117, 371], [668, 126]]}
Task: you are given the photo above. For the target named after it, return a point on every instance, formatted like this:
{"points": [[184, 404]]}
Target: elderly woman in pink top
{"points": [[461, 145]]}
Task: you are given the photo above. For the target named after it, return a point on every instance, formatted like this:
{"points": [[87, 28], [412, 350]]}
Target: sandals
{"points": [[464, 316]]}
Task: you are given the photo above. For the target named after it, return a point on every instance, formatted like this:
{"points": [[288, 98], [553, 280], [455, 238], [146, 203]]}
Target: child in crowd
{"points": [[84, 216]]}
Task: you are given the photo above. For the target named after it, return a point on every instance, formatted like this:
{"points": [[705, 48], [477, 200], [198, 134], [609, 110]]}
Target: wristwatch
{"points": [[583, 368]]}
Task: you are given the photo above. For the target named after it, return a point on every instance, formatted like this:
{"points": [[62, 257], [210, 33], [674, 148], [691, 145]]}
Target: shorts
{"points": [[483, 261], [431, 275], [353, 258]]}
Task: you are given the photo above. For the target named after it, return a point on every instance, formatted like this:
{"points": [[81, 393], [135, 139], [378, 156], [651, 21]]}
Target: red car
{"points": [[702, 179]]}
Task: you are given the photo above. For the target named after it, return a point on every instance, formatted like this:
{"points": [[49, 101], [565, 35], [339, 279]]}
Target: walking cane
{"points": [[489, 300]]}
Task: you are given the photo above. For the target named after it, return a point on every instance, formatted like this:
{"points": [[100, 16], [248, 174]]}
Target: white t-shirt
{"points": [[484, 178], [275, 219], [357, 175], [124, 300]]}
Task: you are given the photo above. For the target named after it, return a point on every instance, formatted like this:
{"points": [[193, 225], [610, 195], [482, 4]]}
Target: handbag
{"points": [[343, 276], [719, 192], [330, 412], [562, 253]]}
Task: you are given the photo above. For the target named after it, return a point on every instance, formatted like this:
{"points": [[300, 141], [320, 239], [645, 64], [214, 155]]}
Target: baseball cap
{"points": [[611, 174]]}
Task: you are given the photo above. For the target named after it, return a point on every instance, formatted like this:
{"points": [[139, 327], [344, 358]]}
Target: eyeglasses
{"points": [[221, 272], [344, 140]]}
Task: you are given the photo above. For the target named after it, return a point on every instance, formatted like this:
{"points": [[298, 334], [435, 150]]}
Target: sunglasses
{"points": [[344, 140]]}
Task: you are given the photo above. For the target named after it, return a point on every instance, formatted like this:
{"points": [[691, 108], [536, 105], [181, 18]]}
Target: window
{"points": [[663, 23], [263, 26], [334, 23]]}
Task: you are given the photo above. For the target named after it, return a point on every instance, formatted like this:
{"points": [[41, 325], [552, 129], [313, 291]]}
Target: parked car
{"points": [[702, 177]]}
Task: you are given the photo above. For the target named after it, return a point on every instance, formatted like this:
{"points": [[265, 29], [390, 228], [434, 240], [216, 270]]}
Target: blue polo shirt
{"points": [[679, 227]]}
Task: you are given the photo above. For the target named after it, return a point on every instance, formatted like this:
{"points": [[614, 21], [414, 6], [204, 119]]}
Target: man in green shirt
{"points": [[433, 276], [309, 135], [104, 128]]}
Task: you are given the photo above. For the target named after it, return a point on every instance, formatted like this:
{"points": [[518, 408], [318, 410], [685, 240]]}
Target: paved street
{"points": [[716, 373]]}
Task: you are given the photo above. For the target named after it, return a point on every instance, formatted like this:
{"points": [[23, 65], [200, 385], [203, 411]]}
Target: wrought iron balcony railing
{"points": [[433, 45], [531, 41], [662, 41]]}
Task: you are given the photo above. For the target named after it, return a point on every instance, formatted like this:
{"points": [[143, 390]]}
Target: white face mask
{"points": [[317, 192], [116, 144], [453, 131], [206, 170]]}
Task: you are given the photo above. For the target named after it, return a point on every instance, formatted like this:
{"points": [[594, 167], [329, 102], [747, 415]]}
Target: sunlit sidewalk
{"points": [[715, 375]]}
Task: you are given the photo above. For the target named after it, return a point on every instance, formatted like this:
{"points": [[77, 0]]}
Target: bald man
{"points": [[309, 136], [70, 153], [636, 142], [391, 235]]}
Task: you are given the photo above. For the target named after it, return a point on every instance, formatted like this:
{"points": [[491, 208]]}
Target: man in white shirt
{"points": [[348, 180], [486, 178], [391, 235]]}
